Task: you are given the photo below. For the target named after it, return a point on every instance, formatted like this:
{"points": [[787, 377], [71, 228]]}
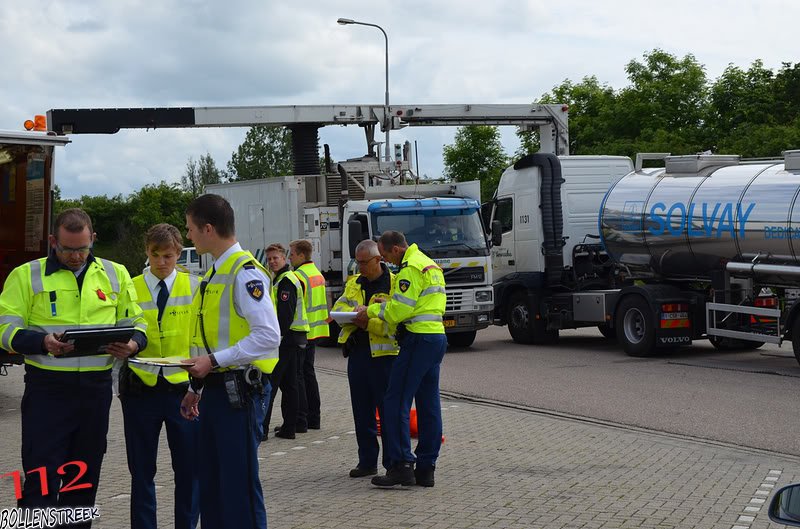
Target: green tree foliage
{"points": [[200, 174], [120, 223], [476, 153], [265, 152], [671, 106]]}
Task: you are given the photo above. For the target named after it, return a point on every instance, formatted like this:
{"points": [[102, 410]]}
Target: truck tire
{"points": [[608, 331], [796, 339], [461, 339], [524, 327], [635, 327]]}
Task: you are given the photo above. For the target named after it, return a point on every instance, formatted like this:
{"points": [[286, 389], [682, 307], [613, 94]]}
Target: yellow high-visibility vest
{"points": [[52, 304], [419, 297], [222, 326], [300, 320], [173, 338], [315, 299], [382, 341]]}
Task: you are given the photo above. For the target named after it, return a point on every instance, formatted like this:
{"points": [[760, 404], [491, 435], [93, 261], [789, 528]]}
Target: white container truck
{"points": [[443, 219]]}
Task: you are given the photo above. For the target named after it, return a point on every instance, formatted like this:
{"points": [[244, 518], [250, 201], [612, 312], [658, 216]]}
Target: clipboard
{"points": [[343, 317], [94, 340], [167, 361]]}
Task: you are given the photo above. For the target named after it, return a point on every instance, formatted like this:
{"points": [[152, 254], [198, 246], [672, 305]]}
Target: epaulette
{"points": [[249, 265]]}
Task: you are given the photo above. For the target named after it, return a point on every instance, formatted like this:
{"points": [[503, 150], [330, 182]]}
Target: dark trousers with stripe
{"points": [[284, 377], [415, 377], [64, 426], [308, 415], [368, 378], [143, 415], [230, 489]]}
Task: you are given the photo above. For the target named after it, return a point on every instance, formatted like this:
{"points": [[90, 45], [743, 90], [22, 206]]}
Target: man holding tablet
{"points": [[66, 402]]}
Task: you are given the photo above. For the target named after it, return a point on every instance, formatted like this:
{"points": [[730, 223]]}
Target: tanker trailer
{"points": [[712, 245]]}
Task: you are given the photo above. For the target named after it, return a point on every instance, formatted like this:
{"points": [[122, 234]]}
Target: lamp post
{"points": [[387, 117]]}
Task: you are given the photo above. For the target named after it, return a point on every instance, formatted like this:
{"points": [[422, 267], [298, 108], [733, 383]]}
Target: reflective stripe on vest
{"points": [[222, 325], [173, 336], [300, 320], [382, 341], [315, 300], [56, 305]]}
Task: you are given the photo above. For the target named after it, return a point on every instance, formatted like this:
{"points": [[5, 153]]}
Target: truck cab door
{"points": [[504, 254]]}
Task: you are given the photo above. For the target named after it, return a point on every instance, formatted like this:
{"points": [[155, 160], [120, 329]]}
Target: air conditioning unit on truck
{"points": [[443, 219], [706, 247], [26, 200]]}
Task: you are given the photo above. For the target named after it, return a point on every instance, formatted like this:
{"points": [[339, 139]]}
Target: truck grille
{"points": [[457, 299], [464, 274]]}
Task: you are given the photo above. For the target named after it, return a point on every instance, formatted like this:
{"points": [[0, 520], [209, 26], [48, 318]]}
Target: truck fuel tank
{"points": [[702, 211]]}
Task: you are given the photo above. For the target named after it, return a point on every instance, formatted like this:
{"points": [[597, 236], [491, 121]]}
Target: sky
{"points": [[133, 54]]}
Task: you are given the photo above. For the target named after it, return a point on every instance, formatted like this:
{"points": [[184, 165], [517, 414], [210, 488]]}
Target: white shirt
{"points": [[265, 334], [152, 282]]}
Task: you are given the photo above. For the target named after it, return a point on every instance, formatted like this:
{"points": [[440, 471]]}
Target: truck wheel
{"points": [[608, 331], [461, 339], [796, 339], [635, 327], [523, 325]]}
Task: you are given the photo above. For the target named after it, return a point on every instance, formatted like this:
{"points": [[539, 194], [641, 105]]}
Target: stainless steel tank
{"points": [[701, 212]]}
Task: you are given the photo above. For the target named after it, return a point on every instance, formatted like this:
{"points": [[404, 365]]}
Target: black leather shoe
{"points": [[301, 430], [359, 472], [284, 435], [277, 429], [400, 474], [313, 426], [424, 476]]}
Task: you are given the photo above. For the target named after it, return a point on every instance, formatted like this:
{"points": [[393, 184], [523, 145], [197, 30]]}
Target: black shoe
{"points": [[359, 472], [284, 435], [424, 476], [277, 429], [301, 430], [400, 474], [313, 426]]}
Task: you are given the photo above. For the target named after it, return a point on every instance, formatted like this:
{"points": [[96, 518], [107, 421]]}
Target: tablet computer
{"points": [[93, 341]]}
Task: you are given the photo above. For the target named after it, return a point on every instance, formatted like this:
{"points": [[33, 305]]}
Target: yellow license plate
{"points": [[449, 323]]}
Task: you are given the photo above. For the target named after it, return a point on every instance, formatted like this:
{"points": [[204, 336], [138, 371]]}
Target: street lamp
{"points": [[388, 118]]}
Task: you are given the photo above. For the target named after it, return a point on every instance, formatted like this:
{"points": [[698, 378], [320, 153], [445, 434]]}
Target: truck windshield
{"points": [[440, 232]]}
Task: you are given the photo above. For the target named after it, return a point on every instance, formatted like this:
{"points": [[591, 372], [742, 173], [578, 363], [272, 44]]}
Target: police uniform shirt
{"points": [[265, 334]]}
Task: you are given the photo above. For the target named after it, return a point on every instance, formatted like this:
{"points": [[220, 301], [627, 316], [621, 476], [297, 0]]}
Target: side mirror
{"points": [[497, 233], [354, 235], [785, 506]]}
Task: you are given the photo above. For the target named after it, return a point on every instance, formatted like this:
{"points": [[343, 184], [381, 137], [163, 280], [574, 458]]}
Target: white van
{"points": [[188, 261]]}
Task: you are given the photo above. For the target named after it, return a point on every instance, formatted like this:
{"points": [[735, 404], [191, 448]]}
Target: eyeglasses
{"points": [[83, 251], [364, 263]]}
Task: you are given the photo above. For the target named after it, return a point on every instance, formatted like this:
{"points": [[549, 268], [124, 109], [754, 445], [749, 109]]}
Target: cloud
{"points": [[131, 53]]}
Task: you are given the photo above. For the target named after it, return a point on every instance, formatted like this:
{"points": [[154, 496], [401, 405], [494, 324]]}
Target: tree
{"points": [[476, 153], [265, 152], [200, 174]]}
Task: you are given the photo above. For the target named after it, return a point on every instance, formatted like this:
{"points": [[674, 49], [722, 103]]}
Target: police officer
{"points": [[370, 350], [65, 406], [287, 296], [317, 311], [151, 395], [416, 307], [237, 338]]}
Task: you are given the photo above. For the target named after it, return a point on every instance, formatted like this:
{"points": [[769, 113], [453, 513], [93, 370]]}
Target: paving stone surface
{"points": [[500, 467]]}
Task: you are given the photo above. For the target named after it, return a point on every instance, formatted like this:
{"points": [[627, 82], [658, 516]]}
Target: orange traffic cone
{"points": [[412, 423]]}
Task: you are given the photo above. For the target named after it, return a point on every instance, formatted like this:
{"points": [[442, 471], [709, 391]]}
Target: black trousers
{"points": [[284, 378], [64, 426], [309, 414]]}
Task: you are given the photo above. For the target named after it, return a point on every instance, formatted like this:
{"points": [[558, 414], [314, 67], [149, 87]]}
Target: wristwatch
{"points": [[214, 363]]}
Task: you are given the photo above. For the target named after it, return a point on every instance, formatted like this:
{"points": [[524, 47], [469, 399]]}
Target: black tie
{"points": [[161, 301]]}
